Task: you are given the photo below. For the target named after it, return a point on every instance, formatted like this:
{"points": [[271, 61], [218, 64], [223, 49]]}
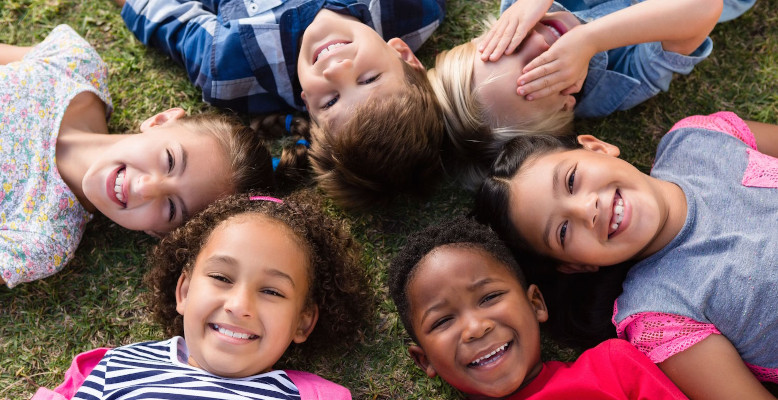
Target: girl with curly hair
{"points": [[241, 281]]}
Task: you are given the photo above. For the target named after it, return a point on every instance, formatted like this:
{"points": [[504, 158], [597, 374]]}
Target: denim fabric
{"points": [[622, 78], [243, 53]]}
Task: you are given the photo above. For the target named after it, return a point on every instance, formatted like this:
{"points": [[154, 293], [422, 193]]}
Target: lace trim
{"points": [[660, 335], [722, 121], [764, 374], [762, 170]]}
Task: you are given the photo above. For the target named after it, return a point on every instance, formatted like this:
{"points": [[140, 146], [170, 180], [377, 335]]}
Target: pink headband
{"points": [[266, 198]]}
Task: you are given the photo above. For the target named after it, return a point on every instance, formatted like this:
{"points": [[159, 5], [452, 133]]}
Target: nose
{"points": [[150, 187], [239, 302], [585, 208], [475, 327], [339, 69]]}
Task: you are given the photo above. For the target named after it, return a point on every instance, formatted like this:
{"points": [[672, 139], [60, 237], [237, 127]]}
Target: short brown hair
{"points": [[388, 146], [248, 158]]}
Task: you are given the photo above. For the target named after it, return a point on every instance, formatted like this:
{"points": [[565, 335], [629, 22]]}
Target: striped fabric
{"points": [[159, 370]]}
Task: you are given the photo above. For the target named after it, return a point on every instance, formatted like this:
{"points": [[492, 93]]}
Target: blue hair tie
{"points": [[289, 123], [276, 160], [304, 143]]}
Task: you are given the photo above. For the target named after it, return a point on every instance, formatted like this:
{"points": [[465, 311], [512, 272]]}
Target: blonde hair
{"points": [[474, 134], [388, 146]]}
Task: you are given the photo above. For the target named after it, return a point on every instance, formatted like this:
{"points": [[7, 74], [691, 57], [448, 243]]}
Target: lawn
{"points": [[94, 301]]}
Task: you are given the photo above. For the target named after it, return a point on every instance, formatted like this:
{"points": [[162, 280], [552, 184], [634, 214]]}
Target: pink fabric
{"points": [[764, 374], [661, 335], [722, 121], [314, 387], [82, 365], [762, 170]]}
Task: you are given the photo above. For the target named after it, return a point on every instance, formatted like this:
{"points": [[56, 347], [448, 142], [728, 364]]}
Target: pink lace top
{"points": [[662, 335]]}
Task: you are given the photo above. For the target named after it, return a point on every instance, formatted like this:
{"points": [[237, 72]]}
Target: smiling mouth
{"points": [[117, 186], [236, 335], [618, 214], [326, 48], [491, 357]]}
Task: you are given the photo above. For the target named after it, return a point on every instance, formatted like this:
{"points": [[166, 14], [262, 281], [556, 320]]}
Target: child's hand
{"points": [[507, 33], [560, 69]]}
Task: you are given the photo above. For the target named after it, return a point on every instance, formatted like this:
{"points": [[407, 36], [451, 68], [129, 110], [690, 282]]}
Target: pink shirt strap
{"points": [[722, 121]]}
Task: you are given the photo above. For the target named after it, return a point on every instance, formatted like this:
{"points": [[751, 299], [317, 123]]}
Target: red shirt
{"points": [[613, 370]]}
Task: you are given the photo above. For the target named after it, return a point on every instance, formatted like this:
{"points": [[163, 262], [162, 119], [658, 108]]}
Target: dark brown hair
{"points": [[338, 282]]}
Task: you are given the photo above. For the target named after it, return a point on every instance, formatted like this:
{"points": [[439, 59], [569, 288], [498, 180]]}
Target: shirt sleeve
{"points": [[28, 256], [662, 335], [182, 30], [724, 122], [640, 378]]}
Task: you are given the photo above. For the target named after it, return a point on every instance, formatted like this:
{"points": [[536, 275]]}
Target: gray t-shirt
{"points": [[722, 267]]}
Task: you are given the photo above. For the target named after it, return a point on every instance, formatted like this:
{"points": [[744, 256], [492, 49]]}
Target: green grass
{"points": [[94, 301]]}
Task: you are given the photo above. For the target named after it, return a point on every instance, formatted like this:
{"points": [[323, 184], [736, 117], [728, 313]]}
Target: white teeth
{"points": [[497, 350], [554, 31], [328, 49], [117, 187], [231, 333], [618, 212]]}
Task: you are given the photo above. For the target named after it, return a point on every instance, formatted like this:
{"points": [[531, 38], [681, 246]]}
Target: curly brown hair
{"points": [[338, 282]]}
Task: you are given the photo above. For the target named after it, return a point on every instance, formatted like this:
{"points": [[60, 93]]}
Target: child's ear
{"points": [[406, 53], [182, 291], [420, 358], [590, 142], [535, 298], [569, 268], [162, 118], [307, 322]]}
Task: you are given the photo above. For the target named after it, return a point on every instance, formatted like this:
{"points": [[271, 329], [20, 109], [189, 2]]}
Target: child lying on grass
{"points": [[463, 299]]}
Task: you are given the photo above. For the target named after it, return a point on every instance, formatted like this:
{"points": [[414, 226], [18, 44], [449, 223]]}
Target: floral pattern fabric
{"points": [[41, 220]]}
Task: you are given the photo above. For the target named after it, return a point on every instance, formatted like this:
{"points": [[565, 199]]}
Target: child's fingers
{"points": [[505, 37]]}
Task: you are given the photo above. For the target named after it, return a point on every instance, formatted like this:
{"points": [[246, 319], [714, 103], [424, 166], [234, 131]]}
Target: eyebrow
{"points": [[556, 186], [226, 259], [184, 158], [470, 288]]}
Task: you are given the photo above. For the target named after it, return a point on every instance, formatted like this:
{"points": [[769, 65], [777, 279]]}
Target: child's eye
{"points": [[172, 210], [170, 161], [272, 292], [563, 233], [491, 296], [371, 79], [220, 278], [571, 180], [439, 323], [331, 102]]}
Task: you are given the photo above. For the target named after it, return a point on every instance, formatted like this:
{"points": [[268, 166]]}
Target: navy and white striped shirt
{"points": [[159, 370], [243, 53]]}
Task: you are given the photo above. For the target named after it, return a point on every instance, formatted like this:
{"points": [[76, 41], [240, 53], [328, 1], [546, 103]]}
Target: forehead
{"points": [[461, 260], [255, 237], [391, 83]]}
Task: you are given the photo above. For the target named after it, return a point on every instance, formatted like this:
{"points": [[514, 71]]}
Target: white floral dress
{"points": [[41, 221]]}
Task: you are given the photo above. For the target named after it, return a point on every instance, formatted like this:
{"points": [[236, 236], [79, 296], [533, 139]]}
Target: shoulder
{"points": [[314, 387], [724, 122]]}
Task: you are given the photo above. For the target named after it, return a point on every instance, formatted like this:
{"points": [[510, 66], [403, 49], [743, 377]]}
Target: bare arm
{"points": [[680, 25], [713, 370], [766, 136], [10, 53]]}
